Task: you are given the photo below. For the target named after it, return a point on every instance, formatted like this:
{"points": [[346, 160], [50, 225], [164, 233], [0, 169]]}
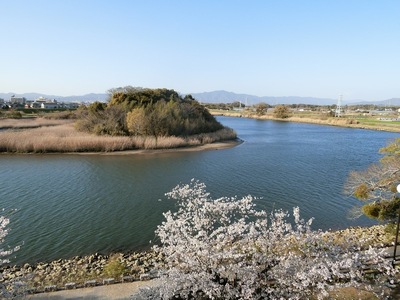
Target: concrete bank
{"points": [[119, 291]]}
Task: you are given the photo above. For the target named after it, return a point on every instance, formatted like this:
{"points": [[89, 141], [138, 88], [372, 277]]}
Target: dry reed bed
{"points": [[30, 123], [65, 138]]}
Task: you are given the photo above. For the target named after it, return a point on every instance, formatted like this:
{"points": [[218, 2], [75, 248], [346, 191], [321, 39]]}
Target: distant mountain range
{"points": [[217, 97], [228, 97]]}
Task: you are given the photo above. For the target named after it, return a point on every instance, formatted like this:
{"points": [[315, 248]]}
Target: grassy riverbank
{"points": [[60, 136], [351, 121]]}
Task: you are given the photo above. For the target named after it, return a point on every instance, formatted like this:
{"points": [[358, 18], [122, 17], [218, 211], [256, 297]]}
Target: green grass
{"points": [[378, 123]]}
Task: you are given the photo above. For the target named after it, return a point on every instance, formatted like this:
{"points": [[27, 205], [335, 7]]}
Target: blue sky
{"points": [[265, 48]]}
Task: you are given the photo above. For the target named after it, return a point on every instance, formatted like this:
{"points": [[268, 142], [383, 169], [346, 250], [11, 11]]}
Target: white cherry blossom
{"points": [[227, 249]]}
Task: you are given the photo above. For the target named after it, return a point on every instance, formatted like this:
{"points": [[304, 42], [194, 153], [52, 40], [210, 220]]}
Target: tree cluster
{"points": [[376, 186], [155, 112], [261, 108], [281, 112], [225, 106]]}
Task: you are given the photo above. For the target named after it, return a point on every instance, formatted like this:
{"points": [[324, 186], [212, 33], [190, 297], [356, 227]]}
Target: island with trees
{"points": [[132, 119]]}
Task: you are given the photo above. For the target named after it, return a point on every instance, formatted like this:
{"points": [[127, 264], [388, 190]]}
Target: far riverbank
{"points": [[331, 121]]}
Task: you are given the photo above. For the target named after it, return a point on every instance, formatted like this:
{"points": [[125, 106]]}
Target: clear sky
{"points": [[265, 48]]}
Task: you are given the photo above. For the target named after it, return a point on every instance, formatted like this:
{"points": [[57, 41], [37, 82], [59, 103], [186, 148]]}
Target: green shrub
{"points": [[382, 210], [108, 121], [371, 210], [391, 228], [362, 192], [281, 112], [115, 268]]}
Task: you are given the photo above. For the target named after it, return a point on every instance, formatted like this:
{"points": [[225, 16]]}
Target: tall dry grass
{"points": [[65, 138], [30, 123], [325, 120]]}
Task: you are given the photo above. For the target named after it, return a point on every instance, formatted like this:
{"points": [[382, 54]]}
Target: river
{"points": [[66, 205]]}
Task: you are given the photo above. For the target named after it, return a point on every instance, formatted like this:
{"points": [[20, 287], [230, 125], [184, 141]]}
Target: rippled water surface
{"points": [[69, 205]]}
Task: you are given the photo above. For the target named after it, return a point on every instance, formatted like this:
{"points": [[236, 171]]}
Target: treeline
{"points": [[225, 106], [147, 112]]}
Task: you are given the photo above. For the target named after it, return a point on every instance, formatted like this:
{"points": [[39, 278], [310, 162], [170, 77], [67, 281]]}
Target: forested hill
{"points": [[147, 112]]}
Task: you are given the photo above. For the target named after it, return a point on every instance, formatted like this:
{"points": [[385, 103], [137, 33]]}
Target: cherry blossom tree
{"points": [[3, 233], [15, 288], [227, 249]]}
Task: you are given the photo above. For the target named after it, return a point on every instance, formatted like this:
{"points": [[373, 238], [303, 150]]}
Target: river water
{"points": [[68, 205]]}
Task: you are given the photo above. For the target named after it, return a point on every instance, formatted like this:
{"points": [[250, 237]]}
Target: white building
{"points": [[49, 105]]}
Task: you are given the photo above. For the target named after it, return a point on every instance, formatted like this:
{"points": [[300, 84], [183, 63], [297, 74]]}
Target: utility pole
{"points": [[339, 107]]}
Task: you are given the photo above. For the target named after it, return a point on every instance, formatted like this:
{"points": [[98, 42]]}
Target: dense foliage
{"points": [[261, 108], [148, 112], [102, 119], [281, 112], [226, 249], [376, 186]]}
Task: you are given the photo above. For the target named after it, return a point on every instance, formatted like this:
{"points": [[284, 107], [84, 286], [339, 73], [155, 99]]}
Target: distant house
{"points": [[28, 103], [17, 101], [1, 101], [49, 105], [36, 104], [71, 105]]}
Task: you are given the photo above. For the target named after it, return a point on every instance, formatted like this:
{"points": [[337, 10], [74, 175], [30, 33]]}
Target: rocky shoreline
{"points": [[85, 271], [98, 269]]}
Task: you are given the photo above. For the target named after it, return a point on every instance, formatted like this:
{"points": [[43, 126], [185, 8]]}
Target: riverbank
{"points": [[60, 136], [225, 144], [83, 271], [101, 269], [349, 122]]}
